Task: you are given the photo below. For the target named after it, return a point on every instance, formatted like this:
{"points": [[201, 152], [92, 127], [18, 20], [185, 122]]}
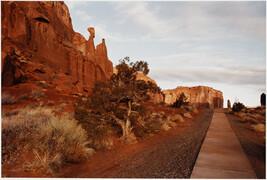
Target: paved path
{"points": [[221, 155]]}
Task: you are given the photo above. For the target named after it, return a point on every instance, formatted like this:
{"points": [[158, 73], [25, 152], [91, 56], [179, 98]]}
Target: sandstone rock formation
{"points": [[201, 96], [41, 32]]}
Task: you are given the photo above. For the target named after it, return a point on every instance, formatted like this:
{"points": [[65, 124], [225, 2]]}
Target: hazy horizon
{"points": [[217, 44]]}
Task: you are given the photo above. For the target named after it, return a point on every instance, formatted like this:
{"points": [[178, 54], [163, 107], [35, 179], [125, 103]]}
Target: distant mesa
{"points": [[201, 96]]}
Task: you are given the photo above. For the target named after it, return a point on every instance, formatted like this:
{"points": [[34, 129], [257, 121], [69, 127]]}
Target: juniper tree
{"points": [[113, 101]]}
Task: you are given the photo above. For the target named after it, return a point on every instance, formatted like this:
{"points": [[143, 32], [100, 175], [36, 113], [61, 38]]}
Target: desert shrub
{"points": [[171, 123], [181, 101], [153, 126], [187, 115], [42, 84], [41, 104], [37, 93], [259, 118], [50, 103], [8, 99], [238, 106], [53, 140], [258, 127], [165, 127], [96, 126], [24, 97], [176, 118], [195, 111]]}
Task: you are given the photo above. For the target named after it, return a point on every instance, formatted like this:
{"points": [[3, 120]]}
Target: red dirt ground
{"points": [[102, 160]]}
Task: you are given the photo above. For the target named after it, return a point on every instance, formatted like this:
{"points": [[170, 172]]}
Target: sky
{"points": [[217, 44]]}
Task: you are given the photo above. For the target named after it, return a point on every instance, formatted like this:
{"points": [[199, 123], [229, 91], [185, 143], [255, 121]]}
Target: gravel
{"points": [[172, 157]]}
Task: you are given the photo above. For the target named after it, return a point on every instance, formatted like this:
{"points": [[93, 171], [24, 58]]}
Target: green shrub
{"points": [[238, 106]]}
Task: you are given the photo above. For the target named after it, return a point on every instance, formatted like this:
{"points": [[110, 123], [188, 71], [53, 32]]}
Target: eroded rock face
{"points": [[42, 32], [202, 96], [99, 55]]}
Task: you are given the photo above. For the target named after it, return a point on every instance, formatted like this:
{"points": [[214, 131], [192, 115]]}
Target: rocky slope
{"points": [[202, 96], [39, 43]]}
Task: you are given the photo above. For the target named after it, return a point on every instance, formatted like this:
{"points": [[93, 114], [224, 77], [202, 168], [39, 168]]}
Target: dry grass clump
{"points": [[165, 127], [176, 118], [171, 124], [53, 140], [258, 127], [187, 115], [259, 118], [37, 93], [251, 116], [8, 99], [195, 111]]}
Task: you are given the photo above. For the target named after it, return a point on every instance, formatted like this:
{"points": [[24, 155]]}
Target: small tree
{"points": [[238, 106], [182, 100], [113, 102]]}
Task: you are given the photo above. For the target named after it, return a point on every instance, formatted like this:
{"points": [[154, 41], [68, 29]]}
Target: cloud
{"points": [[83, 15], [111, 36], [195, 21], [74, 4], [244, 75], [194, 58], [143, 16]]}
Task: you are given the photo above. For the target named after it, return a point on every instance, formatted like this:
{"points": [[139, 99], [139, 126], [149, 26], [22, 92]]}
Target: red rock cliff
{"points": [[202, 96], [41, 32]]}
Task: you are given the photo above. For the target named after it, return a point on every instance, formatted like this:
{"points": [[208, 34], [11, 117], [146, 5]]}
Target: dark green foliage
{"points": [[263, 99], [181, 101], [140, 66], [238, 106], [114, 104]]}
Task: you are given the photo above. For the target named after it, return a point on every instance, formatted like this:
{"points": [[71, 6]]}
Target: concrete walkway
{"points": [[221, 155]]}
